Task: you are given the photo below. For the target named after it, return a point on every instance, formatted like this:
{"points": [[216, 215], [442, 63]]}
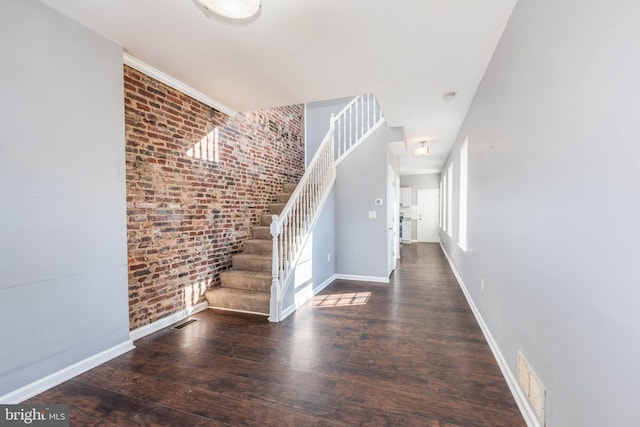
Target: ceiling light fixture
{"points": [[422, 151], [232, 9]]}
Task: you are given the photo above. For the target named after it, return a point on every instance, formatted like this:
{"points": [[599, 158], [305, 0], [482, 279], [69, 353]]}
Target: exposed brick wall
{"points": [[186, 213]]}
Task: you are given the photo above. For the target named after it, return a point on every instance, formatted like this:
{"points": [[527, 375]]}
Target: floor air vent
{"points": [[183, 324]]}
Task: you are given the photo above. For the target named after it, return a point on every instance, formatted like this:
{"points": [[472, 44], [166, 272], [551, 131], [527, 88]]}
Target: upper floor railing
{"points": [[354, 123]]}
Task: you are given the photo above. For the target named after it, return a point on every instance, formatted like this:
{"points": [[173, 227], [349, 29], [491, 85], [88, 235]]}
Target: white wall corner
{"points": [[145, 330], [518, 394], [147, 69], [65, 374]]}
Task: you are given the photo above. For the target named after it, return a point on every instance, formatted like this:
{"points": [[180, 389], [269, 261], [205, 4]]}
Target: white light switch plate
{"points": [[372, 214]]}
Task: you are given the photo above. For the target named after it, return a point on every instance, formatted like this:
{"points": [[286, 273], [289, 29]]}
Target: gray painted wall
{"points": [[317, 119], [63, 250], [361, 243], [324, 242], [554, 155], [317, 262]]}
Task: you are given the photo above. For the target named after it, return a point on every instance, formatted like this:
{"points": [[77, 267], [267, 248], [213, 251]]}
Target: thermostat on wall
{"points": [[378, 202]]}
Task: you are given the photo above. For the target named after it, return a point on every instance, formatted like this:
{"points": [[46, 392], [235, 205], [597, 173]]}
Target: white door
{"points": [[393, 211], [428, 216]]}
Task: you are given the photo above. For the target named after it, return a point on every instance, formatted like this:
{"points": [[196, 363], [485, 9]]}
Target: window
{"points": [[449, 219], [464, 186], [441, 200], [445, 198]]}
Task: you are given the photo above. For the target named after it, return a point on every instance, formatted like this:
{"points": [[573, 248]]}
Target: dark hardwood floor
{"points": [[408, 353]]}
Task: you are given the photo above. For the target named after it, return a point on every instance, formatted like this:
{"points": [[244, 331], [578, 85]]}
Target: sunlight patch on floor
{"points": [[341, 300]]}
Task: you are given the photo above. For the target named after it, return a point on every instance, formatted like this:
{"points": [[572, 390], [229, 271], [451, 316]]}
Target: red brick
{"points": [[187, 216]]}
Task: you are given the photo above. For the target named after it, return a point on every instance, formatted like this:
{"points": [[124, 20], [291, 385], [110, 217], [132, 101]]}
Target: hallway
{"points": [[409, 353]]}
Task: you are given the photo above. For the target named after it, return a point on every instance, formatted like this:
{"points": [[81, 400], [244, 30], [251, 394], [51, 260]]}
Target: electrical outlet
{"points": [[328, 257], [482, 285]]}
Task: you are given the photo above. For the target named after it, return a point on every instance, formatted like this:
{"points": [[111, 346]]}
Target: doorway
{"points": [[428, 216], [393, 212]]}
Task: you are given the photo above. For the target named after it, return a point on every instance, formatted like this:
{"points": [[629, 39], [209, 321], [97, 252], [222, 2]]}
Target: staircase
{"points": [[247, 286], [262, 275]]}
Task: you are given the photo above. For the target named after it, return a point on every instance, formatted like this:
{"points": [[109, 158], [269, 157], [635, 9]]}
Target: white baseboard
{"points": [[288, 311], [145, 330], [323, 285], [65, 374], [357, 278], [316, 289], [518, 394]]}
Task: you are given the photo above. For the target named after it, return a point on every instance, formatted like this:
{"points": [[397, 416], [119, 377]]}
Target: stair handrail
{"points": [[290, 229]]}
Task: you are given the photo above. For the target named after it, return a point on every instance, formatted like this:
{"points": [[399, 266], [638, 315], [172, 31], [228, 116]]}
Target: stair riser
{"points": [[276, 208], [246, 282], [289, 188], [283, 197], [266, 220], [251, 264], [255, 302], [263, 233], [258, 247]]}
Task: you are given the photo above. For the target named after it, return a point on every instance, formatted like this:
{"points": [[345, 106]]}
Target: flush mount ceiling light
{"points": [[231, 9], [422, 151]]}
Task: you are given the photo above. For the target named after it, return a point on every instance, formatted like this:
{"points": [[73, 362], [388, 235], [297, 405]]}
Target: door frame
{"points": [[436, 229], [393, 214]]}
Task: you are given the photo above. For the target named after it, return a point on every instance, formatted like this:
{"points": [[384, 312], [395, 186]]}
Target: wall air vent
{"points": [[532, 387]]}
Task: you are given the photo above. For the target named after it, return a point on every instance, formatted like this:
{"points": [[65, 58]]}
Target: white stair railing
{"points": [[291, 229], [355, 123]]}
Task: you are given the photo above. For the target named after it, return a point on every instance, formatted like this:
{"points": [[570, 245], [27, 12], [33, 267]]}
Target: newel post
{"points": [[274, 301]]}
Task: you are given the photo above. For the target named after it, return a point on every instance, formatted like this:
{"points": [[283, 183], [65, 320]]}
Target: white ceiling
{"points": [[407, 52]]}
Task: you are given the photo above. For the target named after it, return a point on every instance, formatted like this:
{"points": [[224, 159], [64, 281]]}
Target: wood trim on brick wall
{"points": [[191, 202], [147, 69]]}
